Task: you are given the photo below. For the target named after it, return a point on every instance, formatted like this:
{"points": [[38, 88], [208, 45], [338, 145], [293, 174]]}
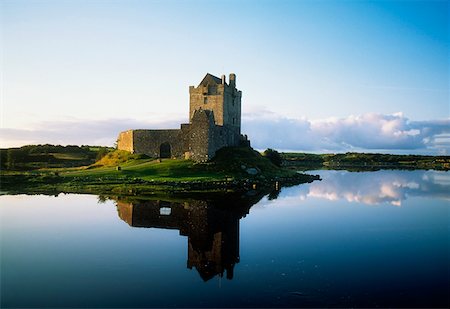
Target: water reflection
{"points": [[323, 251], [382, 187], [211, 225]]}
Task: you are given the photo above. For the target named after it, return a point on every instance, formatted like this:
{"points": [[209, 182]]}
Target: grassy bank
{"points": [[119, 172], [364, 161]]}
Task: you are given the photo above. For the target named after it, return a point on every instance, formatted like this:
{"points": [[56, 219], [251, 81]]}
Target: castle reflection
{"points": [[211, 225]]}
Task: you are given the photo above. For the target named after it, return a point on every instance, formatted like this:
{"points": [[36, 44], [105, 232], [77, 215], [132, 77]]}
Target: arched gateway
{"points": [[164, 150]]}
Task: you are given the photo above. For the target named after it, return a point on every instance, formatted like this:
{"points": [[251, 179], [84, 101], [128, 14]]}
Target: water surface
{"points": [[370, 239]]}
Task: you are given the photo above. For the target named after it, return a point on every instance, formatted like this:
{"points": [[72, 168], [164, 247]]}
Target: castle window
{"points": [[233, 120], [165, 211], [205, 100], [212, 90]]}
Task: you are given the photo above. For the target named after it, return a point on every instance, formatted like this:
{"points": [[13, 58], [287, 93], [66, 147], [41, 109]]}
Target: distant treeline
{"points": [[44, 156], [56, 156], [365, 161]]}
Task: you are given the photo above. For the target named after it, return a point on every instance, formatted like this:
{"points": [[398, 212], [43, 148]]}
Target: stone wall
{"points": [[205, 138], [200, 135], [223, 136], [207, 98], [125, 141], [150, 141], [232, 108], [198, 141]]}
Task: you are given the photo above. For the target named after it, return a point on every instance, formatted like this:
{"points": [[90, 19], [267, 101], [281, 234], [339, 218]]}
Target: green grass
{"points": [[118, 157], [228, 163], [139, 174], [69, 156], [151, 170]]}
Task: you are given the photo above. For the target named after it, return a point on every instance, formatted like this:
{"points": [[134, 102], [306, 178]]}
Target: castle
{"points": [[214, 123]]}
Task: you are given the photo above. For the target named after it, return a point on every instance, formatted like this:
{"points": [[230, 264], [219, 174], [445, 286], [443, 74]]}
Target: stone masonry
{"points": [[214, 122]]}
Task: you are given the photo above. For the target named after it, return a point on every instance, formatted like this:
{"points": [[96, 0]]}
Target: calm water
{"points": [[372, 239]]}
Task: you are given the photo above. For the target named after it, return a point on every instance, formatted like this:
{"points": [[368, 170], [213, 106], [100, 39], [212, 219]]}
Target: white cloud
{"points": [[77, 132], [367, 132]]}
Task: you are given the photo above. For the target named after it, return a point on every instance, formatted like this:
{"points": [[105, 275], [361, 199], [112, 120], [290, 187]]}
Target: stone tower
{"points": [[223, 99]]}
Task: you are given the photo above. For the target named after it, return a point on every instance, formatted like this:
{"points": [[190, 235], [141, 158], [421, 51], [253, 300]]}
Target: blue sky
{"points": [[81, 71]]}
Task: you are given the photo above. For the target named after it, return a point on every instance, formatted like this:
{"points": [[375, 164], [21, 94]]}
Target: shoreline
{"points": [[48, 183]]}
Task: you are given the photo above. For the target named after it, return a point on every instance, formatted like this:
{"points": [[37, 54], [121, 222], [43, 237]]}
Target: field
{"points": [[32, 157]]}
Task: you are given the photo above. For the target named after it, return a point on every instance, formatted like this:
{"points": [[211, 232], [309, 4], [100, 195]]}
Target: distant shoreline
{"points": [[34, 157], [353, 161]]}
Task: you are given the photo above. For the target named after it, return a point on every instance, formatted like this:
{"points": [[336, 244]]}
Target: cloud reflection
{"points": [[373, 188]]}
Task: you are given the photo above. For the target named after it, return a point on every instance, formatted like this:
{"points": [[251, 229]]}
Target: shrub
{"points": [[274, 156], [102, 151]]}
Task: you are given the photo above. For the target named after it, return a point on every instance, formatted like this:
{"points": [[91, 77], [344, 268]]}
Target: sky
{"points": [[316, 76]]}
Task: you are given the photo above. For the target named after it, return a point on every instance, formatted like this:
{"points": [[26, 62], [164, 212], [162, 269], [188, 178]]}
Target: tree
{"points": [[15, 156], [274, 156]]}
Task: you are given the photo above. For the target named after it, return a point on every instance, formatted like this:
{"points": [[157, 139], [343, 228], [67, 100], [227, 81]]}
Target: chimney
{"points": [[223, 80], [233, 80]]}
